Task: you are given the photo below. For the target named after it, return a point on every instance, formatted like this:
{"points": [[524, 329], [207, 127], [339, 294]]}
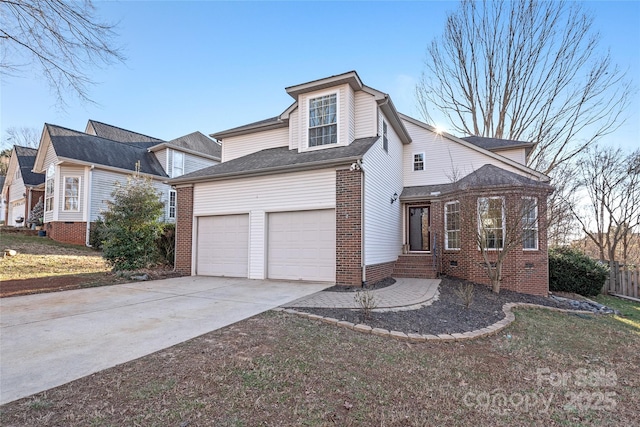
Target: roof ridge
{"points": [[126, 130]]}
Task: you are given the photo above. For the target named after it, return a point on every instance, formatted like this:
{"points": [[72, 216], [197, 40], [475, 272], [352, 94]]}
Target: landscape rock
{"points": [[141, 278], [591, 306]]}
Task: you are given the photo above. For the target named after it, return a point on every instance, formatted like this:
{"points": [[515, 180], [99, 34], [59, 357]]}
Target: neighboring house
{"points": [[80, 170], [22, 188], [342, 188], [3, 202]]}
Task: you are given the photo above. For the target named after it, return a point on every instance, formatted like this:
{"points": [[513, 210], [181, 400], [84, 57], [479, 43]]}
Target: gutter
{"points": [[267, 171]]}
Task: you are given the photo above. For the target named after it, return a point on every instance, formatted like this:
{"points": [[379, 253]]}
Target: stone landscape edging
{"points": [[464, 336]]}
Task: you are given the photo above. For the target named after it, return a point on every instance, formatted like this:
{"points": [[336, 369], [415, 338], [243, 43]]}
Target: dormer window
{"points": [[178, 164], [323, 120]]}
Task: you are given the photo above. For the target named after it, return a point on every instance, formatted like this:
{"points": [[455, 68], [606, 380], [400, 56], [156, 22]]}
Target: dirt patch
{"points": [[447, 315], [9, 288]]}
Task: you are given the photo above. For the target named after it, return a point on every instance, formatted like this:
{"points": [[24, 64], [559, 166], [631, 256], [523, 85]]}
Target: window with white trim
{"points": [[452, 225], [323, 120], [418, 161], [385, 140], [71, 193], [16, 175], [530, 223], [172, 203], [49, 188], [178, 164], [491, 222]]}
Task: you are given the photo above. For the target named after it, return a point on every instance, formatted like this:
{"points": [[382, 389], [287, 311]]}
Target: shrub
{"points": [[570, 270], [97, 234], [166, 243], [465, 292], [132, 225], [366, 301]]}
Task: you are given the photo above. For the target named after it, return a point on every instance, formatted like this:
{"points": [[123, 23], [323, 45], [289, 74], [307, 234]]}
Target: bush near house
{"points": [[571, 270]]}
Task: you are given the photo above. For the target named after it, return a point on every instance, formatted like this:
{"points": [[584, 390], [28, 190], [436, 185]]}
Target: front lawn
{"points": [[547, 368]]}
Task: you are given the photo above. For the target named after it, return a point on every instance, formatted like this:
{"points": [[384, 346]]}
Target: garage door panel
{"points": [[301, 245], [223, 246]]}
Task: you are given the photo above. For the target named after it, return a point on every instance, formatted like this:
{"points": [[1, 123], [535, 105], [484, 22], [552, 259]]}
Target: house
{"points": [[79, 170], [3, 201], [22, 188], [340, 187]]}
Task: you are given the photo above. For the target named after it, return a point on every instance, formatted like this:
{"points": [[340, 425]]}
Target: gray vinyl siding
{"points": [[161, 155], [193, 163]]}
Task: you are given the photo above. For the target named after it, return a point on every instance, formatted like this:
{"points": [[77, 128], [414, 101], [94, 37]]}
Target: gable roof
{"points": [[281, 159], [90, 149], [497, 144], [196, 143], [382, 99], [486, 177], [26, 159], [115, 133]]}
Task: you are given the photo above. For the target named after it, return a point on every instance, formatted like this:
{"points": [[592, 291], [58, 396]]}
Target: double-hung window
{"points": [[452, 225], [323, 120], [172, 203], [530, 223], [178, 164], [385, 140], [418, 162], [491, 222], [49, 188], [71, 193]]}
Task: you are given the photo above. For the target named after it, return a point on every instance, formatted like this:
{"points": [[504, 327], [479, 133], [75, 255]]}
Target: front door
{"points": [[419, 229]]}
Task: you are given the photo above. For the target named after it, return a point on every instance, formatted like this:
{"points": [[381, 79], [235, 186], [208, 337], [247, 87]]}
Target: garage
{"points": [[223, 246], [302, 245], [17, 211]]}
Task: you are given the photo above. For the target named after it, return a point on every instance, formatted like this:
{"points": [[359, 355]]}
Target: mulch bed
{"points": [[448, 315]]}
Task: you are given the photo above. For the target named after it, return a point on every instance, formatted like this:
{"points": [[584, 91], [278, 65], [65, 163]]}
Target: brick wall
{"points": [[377, 272], [184, 229], [523, 270], [348, 228], [67, 232]]}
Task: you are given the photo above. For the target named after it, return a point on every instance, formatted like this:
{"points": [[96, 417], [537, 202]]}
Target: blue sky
{"points": [[210, 66]]}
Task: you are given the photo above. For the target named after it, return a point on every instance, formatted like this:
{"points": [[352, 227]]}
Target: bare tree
{"points": [[24, 136], [505, 224], [63, 38], [611, 180], [525, 70]]}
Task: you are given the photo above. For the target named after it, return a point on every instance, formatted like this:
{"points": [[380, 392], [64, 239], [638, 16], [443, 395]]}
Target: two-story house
{"points": [[21, 188], [342, 188], [80, 169]]}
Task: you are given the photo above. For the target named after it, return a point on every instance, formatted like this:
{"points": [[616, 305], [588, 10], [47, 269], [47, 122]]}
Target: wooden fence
{"points": [[622, 281]]}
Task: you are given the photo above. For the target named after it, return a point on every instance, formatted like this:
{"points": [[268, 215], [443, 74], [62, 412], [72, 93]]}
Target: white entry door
{"points": [[302, 245], [223, 246]]}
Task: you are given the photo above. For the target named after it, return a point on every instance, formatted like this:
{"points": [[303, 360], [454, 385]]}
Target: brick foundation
{"points": [[377, 272], [184, 229], [67, 232], [348, 228]]}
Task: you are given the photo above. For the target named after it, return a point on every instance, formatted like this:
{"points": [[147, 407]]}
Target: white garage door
{"points": [[17, 210], [223, 246], [302, 245]]}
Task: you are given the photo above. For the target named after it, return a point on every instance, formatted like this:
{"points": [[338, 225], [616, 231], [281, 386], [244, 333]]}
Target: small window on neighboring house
{"points": [[71, 193], [452, 225], [385, 140], [418, 162], [49, 188], [172, 203], [323, 120], [16, 176], [178, 164], [530, 223], [491, 222]]}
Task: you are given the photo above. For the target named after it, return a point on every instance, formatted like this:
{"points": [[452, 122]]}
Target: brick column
{"points": [[184, 228], [348, 228]]}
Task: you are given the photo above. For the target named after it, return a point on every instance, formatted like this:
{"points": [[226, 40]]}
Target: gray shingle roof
{"points": [[115, 133], [198, 142], [281, 159], [488, 176], [496, 143], [80, 146], [26, 160]]}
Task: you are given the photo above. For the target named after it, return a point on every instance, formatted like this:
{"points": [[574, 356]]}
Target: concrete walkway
{"points": [[47, 340], [405, 294]]}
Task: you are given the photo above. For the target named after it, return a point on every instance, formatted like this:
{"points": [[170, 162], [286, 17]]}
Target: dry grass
{"points": [[276, 369], [41, 257]]}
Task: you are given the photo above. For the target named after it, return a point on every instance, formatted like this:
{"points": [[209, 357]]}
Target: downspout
{"points": [[88, 210], [364, 266]]}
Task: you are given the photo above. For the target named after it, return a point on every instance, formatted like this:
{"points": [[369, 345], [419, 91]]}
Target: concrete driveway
{"points": [[47, 340]]}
